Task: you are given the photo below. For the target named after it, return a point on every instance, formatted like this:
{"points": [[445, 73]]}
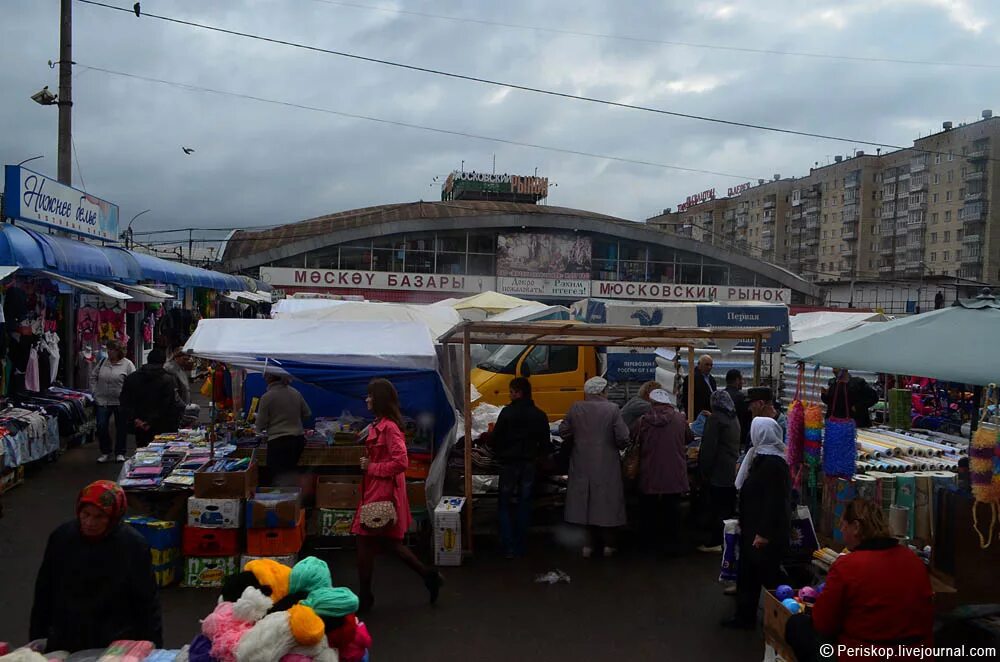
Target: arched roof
{"points": [[247, 249]]}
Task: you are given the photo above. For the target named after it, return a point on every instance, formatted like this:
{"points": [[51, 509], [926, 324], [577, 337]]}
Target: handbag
{"points": [[378, 515], [630, 462], [840, 452]]}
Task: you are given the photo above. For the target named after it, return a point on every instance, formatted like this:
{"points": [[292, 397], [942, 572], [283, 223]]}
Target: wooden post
{"points": [[467, 397], [691, 387], [756, 359]]}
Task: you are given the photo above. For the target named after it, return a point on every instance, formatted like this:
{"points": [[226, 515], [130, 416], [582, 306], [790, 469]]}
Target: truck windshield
{"points": [[504, 359]]}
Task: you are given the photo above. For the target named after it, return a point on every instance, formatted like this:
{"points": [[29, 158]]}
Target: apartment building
{"points": [[903, 216]]}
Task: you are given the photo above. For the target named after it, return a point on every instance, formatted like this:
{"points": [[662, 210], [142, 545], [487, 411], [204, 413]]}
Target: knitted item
{"points": [[308, 575], [332, 602], [306, 626], [273, 574], [271, 639]]}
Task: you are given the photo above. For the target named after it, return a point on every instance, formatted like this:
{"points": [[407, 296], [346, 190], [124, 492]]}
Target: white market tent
{"points": [[531, 313], [956, 344], [490, 302], [292, 307], [251, 344], [438, 319], [807, 326]]}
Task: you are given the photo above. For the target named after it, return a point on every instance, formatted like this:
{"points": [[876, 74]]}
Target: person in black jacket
{"points": [[734, 387], [96, 582], [849, 397], [520, 431], [150, 401], [765, 518], [704, 387]]}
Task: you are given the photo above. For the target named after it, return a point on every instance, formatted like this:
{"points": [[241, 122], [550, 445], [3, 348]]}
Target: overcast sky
{"points": [[259, 164]]}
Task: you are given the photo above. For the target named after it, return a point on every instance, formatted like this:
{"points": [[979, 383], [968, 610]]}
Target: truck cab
{"points": [[557, 375]]}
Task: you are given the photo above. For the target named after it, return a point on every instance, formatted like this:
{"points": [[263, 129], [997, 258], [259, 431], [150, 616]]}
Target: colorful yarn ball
{"points": [[808, 594], [784, 592], [840, 450], [791, 605]]}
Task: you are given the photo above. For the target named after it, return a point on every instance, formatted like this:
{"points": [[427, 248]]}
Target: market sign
{"points": [[609, 289], [697, 199], [374, 280], [736, 190], [493, 183], [544, 287], [749, 316], [539, 255], [35, 198]]}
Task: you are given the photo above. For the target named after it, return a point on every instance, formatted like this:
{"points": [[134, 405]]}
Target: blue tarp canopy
{"points": [[73, 258], [176, 273], [19, 249], [123, 263], [335, 361]]}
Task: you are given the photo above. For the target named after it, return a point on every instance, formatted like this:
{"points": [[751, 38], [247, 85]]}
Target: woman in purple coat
{"points": [[663, 435]]}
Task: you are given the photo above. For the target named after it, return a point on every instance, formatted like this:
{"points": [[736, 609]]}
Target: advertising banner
{"points": [[631, 366], [610, 289], [536, 255], [29, 196], [749, 316], [374, 280]]}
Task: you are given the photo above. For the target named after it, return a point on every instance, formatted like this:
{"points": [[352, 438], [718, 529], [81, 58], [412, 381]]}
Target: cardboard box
{"points": [[210, 542], [279, 541], [167, 575], [215, 513], [335, 522], [416, 494], [289, 560], [226, 485], [448, 531], [163, 538], [274, 507], [209, 572], [338, 492], [775, 619]]}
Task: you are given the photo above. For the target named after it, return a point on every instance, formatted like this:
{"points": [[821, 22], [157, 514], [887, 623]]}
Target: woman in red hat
{"points": [[96, 581]]}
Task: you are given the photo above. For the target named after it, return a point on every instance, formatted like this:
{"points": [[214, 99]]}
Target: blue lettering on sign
{"points": [[749, 316], [36, 198]]}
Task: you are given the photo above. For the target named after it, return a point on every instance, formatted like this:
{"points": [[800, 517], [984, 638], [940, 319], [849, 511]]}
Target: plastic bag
{"points": [[698, 427], [730, 550], [553, 577], [802, 536]]}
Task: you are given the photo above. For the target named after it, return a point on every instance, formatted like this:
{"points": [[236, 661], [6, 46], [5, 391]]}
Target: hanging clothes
{"points": [[31, 381]]}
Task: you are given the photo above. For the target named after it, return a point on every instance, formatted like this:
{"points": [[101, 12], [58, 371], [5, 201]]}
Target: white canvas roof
{"points": [[291, 307], [530, 313], [438, 319], [806, 326], [251, 344]]}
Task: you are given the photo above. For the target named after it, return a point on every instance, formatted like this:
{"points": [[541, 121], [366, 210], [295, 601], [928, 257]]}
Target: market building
{"points": [[428, 251]]}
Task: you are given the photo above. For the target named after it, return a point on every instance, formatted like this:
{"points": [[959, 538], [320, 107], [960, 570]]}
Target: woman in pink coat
{"points": [[384, 467]]}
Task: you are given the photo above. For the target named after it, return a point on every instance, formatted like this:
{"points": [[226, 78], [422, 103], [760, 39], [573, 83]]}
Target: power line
{"points": [[79, 170], [409, 125], [662, 42], [487, 81]]}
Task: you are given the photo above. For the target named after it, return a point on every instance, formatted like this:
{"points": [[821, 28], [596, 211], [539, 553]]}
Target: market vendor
{"points": [[280, 415], [96, 582], [877, 595]]}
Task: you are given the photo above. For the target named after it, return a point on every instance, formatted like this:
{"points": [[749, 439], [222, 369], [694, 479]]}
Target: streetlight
{"points": [[127, 235], [33, 158]]}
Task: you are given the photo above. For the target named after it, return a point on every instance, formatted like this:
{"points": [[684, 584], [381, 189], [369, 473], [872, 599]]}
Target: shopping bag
{"points": [[730, 550], [802, 538], [630, 462]]}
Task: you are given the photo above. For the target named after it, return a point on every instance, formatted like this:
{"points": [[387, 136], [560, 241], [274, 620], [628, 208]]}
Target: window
{"points": [[824, 234], [961, 193], [937, 158], [933, 257], [947, 236], [945, 256], [355, 258], [958, 254], [545, 360], [947, 196], [934, 218], [964, 170], [947, 217], [933, 237], [958, 235], [937, 178], [934, 198], [951, 155], [951, 176]]}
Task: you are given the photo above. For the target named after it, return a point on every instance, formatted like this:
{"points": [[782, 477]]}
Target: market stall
{"points": [[578, 334]]}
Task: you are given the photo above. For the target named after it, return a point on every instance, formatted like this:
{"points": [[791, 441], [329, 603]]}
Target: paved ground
{"points": [[632, 607]]}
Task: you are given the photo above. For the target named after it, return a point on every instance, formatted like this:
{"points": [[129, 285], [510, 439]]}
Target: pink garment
{"points": [[355, 651], [31, 381], [225, 631], [385, 479]]}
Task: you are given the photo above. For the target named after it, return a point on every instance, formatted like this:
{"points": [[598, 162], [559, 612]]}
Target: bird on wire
{"points": [[137, 9]]}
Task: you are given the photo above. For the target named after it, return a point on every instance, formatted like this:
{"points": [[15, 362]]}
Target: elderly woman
{"points": [[595, 497], [765, 488], [638, 406], [663, 435], [96, 582], [878, 595], [106, 382], [720, 448]]}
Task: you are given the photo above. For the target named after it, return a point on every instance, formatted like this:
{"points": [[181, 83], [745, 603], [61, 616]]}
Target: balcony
{"points": [[767, 244], [812, 209], [770, 204], [974, 212], [852, 181], [916, 219], [978, 155], [975, 197], [972, 239], [850, 251], [918, 165], [849, 234], [972, 273], [971, 257], [918, 184], [917, 206], [811, 241], [975, 175], [886, 269], [768, 218], [889, 211], [887, 251]]}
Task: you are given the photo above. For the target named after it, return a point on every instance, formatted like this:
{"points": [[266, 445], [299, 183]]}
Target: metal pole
{"points": [[65, 165], [691, 387], [190, 246], [756, 360], [467, 397]]}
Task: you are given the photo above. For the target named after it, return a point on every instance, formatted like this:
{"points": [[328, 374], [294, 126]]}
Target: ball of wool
{"points": [[784, 592], [807, 594], [332, 601], [308, 575], [271, 573], [307, 628], [791, 605]]}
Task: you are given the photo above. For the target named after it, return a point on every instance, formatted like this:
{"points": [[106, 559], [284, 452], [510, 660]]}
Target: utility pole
{"points": [[65, 166]]}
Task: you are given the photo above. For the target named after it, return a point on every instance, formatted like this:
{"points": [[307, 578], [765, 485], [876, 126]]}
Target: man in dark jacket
{"points": [[96, 581], [149, 400], [704, 387], [850, 401], [520, 431], [734, 387]]}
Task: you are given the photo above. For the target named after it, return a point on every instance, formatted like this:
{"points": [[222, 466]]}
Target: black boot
{"points": [[434, 581]]}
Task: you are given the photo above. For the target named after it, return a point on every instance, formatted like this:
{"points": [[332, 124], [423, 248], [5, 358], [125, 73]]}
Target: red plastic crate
{"points": [[197, 541], [277, 542]]}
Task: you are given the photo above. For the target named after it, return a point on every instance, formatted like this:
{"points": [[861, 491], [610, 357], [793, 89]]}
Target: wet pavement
{"points": [[631, 607]]}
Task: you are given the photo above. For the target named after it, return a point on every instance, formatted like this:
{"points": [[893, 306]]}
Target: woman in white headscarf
{"points": [[595, 496], [765, 514]]}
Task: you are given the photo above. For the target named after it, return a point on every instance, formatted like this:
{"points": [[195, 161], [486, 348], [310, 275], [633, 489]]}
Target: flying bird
{"points": [[137, 9], [187, 150]]}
